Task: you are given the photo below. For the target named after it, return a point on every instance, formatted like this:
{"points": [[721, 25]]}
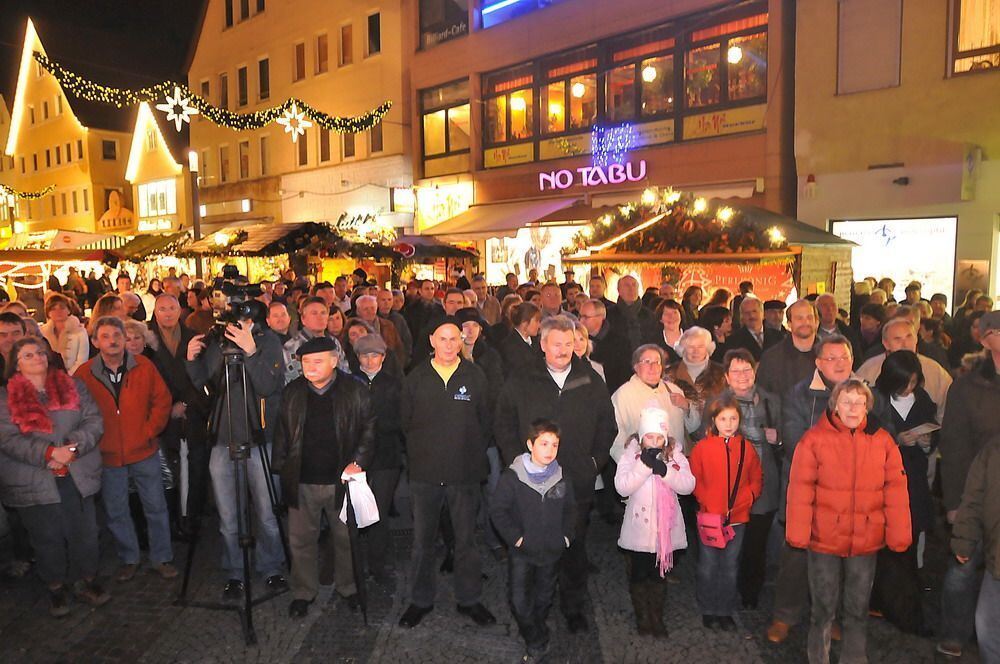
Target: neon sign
{"points": [[592, 176]]}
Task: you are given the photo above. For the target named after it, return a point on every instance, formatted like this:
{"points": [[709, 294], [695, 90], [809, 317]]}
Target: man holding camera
{"points": [[264, 366], [326, 429]]}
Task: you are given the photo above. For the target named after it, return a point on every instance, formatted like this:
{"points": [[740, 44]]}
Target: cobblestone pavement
{"points": [[142, 623]]}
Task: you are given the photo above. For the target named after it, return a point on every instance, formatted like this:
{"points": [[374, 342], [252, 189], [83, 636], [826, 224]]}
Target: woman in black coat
{"points": [[520, 349], [905, 406]]}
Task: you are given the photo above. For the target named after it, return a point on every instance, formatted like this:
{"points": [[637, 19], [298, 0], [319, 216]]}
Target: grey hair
{"points": [[140, 328], [366, 298], [754, 300], [560, 323], [892, 322], [599, 306], [691, 333], [643, 349]]}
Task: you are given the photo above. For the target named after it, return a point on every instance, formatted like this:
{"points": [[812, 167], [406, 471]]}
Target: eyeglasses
{"points": [[30, 356], [741, 372], [852, 404], [650, 363]]}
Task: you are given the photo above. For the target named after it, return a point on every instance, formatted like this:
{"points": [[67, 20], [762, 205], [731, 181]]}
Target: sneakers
{"points": [[950, 648], [58, 602], [165, 570], [126, 573], [479, 614], [233, 590], [91, 592], [778, 631]]}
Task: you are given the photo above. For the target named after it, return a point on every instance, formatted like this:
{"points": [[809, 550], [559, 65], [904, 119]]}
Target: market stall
{"points": [[691, 241], [24, 273]]}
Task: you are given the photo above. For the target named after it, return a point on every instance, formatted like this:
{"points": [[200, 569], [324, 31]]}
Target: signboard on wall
{"points": [[904, 249], [722, 123]]}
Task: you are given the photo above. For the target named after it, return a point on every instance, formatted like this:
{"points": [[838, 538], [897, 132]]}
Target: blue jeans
{"points": [[718, 570], [988, 619], [958, 597], [269, 557], [148, 479]]}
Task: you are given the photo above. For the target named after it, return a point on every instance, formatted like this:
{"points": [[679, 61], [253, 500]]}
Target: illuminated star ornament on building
{"points": [[295, 123], [78, 86], [177, 108], [609, 145]]}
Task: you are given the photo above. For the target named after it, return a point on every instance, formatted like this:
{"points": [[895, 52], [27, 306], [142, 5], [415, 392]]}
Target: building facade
{"points": [[895, 127], [73, 146], [342, 58], [583, 102]]}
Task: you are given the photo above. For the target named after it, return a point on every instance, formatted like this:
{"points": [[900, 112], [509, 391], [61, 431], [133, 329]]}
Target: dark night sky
{"points": [[115, 42]]}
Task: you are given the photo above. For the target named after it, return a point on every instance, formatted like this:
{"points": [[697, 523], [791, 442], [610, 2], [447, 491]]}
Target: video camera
{"points": [[240, 303]]}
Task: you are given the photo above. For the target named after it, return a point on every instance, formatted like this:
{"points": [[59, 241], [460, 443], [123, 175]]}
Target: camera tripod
{"points": [[240, 454]]}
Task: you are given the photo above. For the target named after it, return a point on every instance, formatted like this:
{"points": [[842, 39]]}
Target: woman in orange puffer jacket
{"points": [[847, 499]]}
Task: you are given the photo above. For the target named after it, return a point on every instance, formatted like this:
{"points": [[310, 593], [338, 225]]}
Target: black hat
{"points": [[470, 315], [447, 320], [774, 305], [319, 345]]}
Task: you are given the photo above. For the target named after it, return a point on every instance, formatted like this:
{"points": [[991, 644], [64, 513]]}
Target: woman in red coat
{"points": [[728, 478], [847, 499]]}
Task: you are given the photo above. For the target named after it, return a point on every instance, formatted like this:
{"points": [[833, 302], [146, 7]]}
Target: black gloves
{"points": [[650, 457]]}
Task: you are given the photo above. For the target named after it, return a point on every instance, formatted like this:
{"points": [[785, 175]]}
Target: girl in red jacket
{"points": [[728, 478]]}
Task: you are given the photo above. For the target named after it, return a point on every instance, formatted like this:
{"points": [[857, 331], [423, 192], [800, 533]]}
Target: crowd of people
{"points": [[704, 430]]}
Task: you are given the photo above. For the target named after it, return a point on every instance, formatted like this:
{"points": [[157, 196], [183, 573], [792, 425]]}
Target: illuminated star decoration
{"points": [[294, 121], [610, 144], [178, 109]]}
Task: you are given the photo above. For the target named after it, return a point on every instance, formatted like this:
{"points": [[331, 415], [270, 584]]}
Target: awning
{"points": [[578, 213], [496, 219], [143, 246], [60, 256], [254, 240], [424, 246]]}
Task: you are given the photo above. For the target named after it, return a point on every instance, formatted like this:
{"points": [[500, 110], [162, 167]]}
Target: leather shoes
{"points": [[413, 615], [709, 622], [479, 614], [778, 631], [726, 623], [576, 623], [298, 608]]}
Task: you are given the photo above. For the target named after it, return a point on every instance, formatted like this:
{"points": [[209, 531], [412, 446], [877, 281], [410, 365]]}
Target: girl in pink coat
{"points": [[651, 472]]}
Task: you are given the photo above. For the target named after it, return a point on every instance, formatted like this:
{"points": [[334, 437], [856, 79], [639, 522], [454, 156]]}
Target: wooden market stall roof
{"points": [[57, 256], [143, 246], [635, 257]]}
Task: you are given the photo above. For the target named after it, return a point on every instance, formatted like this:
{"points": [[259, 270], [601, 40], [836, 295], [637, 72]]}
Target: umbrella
{"points": [[355, 538]]}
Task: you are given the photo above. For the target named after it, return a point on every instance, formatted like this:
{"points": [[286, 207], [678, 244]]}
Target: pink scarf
{"points": [[666, 513], [27, 410]]}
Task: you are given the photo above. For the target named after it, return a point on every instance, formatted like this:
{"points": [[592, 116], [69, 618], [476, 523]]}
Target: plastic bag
{"points": [[362, 499]]}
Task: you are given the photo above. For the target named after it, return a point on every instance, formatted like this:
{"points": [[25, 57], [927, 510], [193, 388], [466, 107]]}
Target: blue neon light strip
{"points": [[498, 6]]}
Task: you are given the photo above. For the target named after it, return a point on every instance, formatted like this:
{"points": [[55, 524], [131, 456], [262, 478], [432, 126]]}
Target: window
{"points": [[303, 149], [299, 71], [150, 139], [375, 138], [76, 205], [31, 113], [264, 165], [109, 150], [86, 201], [346, 45], [244, 9], [69, 153], [263, 79], [34, 163], [241, 86], [244, 149], [224, 164], [62, 200], [158, 198], [445, 119], [48, 158], [224, 91], [709, 80], [206, 90], [322, 54], [52, 202], [441, 20], [869, 36], [260, 6], [203, 165], [324, 145], [374, 34], [569, 97], [58, 155], [349, 146], [229, 13], [976, 35], [79, 148], [509, 101], [23, 171], [59, 105], [45, 110]]}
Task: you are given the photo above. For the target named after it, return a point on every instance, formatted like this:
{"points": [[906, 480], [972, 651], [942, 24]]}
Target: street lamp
{"points": [[195, 206]]}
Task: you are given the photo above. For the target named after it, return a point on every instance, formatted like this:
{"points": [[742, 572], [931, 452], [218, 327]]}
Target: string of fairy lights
{"points": [[180, 103], [7, 190]]}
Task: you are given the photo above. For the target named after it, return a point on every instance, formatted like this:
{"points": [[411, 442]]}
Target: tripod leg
{"points": [[246, 543], [188, 564], [272, 494]]}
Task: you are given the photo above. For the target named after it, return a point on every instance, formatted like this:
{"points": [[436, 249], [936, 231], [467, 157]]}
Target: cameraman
{"points": [[261, 351]]}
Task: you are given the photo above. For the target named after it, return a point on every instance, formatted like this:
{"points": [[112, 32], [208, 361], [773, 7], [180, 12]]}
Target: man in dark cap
{"points": [[446, 435], [326, 431], [774, 316]]}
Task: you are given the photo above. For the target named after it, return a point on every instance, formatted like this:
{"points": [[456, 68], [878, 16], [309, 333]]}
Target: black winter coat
{"points": [[386, 392], [352, 417], [174, 371], [582, 409], [517, 511], [612, 351], [516, 355], [783, 366], [446, 426], [742, 338]]}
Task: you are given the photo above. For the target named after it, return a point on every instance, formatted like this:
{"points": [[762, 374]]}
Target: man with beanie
{"points": [[446, 419], [326, 430]]}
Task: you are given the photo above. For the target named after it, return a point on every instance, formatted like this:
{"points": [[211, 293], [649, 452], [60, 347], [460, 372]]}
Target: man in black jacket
{"points": [[753, 335], [634, 322], [611, 347], [793, 360], [446, 419], [326, 431], [564, 389]]}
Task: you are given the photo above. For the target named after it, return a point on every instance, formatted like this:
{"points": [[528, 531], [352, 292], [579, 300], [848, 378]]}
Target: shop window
{"points": [[263, 78], [657, 85], [322, 53], [701, 76], [324, 145], [441, 20], [621, 93], [976, 35], [241, 86], [224, 91], [730, 67], [445, 119], [509, 100], [746, 60], [346, 45], [244, 151], [374, 34], [375, 138]]}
